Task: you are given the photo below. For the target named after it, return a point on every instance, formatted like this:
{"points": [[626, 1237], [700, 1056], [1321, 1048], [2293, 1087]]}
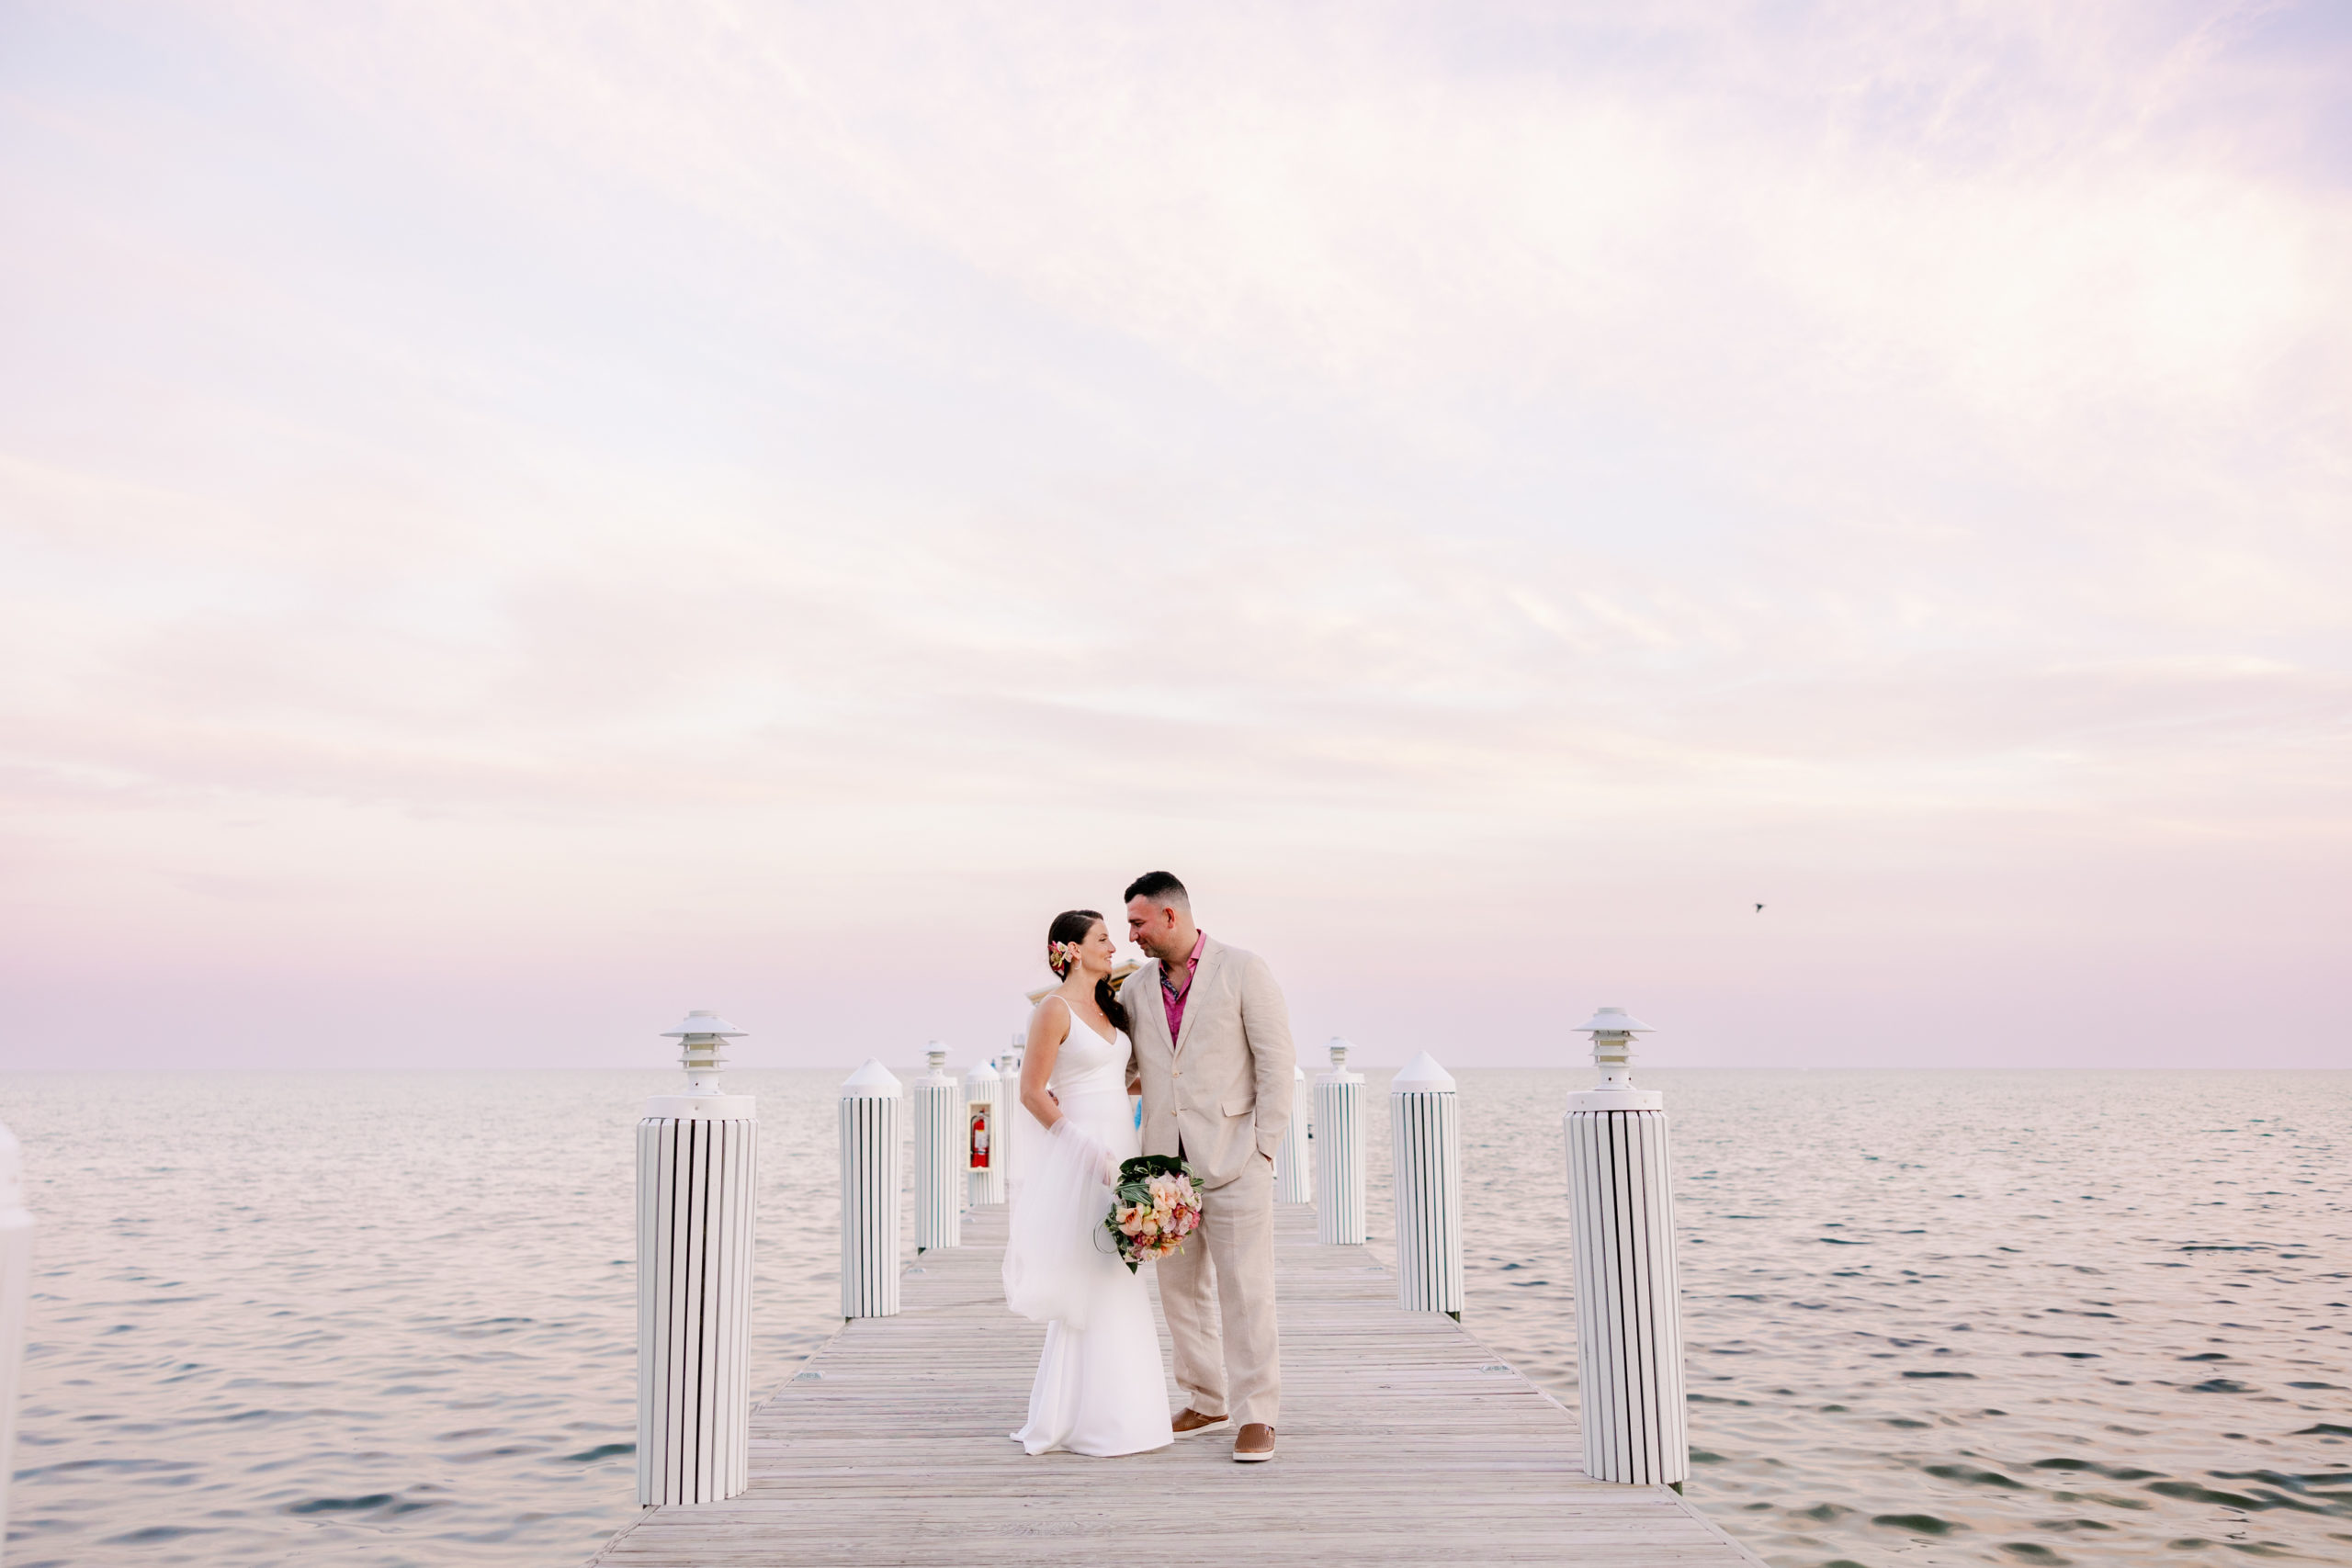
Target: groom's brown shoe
{"points": [[1192, 1421], [1255, 1444]]}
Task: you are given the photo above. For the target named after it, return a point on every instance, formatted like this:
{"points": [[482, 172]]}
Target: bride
{"points": [[1099, 1389]]}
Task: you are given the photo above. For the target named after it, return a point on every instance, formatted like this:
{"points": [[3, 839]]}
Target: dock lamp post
{"points": [[697, 1189], [939, 1155], [1009, 1065], [1629, 1309]]}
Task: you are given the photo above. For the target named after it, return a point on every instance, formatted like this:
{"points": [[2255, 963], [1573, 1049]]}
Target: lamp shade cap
{"points": [[1423, 1076], [1615, 1021], [872, 1081], [700, 1023]]}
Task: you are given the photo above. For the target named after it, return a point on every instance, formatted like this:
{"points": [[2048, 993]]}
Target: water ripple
{"points": [[1963, 1318]]}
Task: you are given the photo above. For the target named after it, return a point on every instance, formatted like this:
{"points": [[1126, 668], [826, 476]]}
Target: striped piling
{"points": [[939, 1155], [16, 1290], [696, 1189], [870, 1106], [1012, 1118], [1426, 1123], [1629, 1311], [1293, 1158], [983, 1121], [1339, 1153]]}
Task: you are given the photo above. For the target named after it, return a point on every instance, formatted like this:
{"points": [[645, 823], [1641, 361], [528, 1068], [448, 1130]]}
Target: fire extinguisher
{"points": [[979, 1137]]}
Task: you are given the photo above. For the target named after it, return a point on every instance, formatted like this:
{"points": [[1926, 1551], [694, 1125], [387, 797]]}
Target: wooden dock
{"points": [[1403, 1440]]}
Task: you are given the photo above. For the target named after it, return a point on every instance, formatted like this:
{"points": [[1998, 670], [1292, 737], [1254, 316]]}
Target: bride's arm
{"points": [[1049, 1027]]}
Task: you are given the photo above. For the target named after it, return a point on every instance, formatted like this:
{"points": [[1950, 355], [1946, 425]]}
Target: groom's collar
{"points": [[1191, 962]]}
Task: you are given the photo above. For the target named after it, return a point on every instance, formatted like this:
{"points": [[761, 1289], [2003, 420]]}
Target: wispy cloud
{"points": [[579, 505]]}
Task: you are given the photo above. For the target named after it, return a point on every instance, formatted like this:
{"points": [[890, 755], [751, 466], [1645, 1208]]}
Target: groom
{"points": [[1212, 1050]]}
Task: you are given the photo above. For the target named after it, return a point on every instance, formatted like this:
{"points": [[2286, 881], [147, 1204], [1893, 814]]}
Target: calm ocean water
{"points": [[1933, 1317]]}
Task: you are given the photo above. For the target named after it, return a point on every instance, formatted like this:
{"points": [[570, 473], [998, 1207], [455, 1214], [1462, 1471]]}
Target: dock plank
{"points": [[1403, 1439]]}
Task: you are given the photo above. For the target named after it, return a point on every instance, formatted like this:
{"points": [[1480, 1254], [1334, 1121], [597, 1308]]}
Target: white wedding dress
{"points": [[1099, 1389]]}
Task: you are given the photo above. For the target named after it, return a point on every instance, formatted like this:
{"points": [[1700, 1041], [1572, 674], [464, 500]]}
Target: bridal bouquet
{"points": [[1154, 1206]]}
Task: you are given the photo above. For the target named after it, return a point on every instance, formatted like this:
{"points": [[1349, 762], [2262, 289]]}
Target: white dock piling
{"points": [[696, 1191], [939, 1156], [870, 1104], [1293, 1168], [1629, 1309], [983, 1117], [1426, 1123], [1339, 1153], [1014, 1117], [15, 1289]]}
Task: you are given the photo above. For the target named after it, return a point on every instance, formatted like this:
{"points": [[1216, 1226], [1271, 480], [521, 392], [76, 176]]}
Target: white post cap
{"points": [[12, 1173], [982, 1072], [872, 1081], [1612, 1030], [702, 1037], [1296, 1071], [1338, 1072], [1423, 1076], [936, 1054], [701, 1023]]}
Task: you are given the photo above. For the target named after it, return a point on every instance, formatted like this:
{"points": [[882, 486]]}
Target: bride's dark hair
{"points": [[1073, 925]]}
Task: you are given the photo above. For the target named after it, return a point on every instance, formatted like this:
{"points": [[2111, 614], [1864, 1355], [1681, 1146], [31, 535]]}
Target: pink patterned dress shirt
{"points": [[1172, 996]]}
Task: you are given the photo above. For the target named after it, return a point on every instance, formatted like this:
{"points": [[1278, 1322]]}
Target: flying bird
{"points": [[1759, 909]]}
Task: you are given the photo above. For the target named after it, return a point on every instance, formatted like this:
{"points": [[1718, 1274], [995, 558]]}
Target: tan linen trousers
{"points": [[1226, 1274]]}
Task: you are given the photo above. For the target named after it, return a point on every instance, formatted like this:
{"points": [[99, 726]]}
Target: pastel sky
{"points": [[520, 519]]}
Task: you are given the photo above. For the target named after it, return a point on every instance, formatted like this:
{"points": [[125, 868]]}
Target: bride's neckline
{"points": [[1110, 1039]]}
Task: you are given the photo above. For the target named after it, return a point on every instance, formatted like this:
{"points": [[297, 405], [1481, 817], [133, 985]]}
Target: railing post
{"points": [[1629, 1308], [1294, 1173], [939, 1172], [983, 1129], [696, 1191], [1339, 1153], [15, 1289], [1425, 1121], [870, 1104]]}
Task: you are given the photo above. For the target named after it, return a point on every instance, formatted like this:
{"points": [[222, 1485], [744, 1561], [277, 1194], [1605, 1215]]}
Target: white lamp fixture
{"points": [[1612, 1030]]}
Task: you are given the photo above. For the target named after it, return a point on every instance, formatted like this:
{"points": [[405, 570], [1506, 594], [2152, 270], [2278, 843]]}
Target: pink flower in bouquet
{"points": [[1153, 1209]]}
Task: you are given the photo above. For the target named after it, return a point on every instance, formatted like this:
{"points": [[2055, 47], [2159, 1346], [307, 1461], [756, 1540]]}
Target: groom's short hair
{"points": [[1161, 887]]}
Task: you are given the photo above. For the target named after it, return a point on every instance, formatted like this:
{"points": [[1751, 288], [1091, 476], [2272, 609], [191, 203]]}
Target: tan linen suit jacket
{"points": [[1223, 1088]]}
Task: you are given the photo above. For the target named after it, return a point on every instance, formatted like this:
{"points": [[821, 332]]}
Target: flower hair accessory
{"points": [[1060, 955]]}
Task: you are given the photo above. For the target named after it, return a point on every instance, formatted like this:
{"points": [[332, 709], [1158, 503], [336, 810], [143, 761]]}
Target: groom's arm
{"points": [[1265, 1027]]}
